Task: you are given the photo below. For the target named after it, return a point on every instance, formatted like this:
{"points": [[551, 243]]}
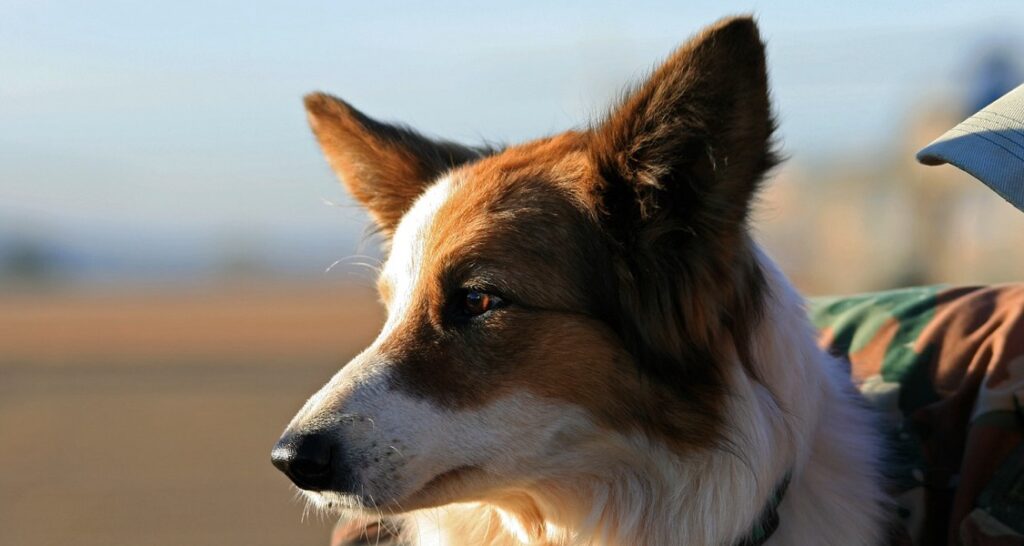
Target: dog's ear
{"points": [[385, 167], [692, 142], [680, 159]]}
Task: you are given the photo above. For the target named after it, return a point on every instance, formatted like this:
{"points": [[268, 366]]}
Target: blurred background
{"points": [[179, 269]]}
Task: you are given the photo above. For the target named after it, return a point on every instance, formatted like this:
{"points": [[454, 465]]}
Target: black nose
{"points": [[306, 459]]}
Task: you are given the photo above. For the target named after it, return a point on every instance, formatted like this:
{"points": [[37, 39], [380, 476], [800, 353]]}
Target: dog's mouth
{"points": [[444, 488], [446, 483]]}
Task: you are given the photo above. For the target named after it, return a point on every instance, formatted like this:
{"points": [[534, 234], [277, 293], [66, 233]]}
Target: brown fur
{"points": [[621, 250]]}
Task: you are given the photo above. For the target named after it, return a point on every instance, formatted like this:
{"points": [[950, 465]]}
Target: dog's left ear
{"points": [[691, 143]]}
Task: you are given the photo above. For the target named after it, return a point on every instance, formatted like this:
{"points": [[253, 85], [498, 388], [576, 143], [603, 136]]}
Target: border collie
{"points": [[583, 343]]}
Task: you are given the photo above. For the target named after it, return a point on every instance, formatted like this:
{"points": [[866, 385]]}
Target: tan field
{"points": [[147, 419]]}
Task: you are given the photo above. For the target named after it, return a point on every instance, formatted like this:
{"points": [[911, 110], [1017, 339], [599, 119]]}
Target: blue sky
{"points": [[132, 125]]}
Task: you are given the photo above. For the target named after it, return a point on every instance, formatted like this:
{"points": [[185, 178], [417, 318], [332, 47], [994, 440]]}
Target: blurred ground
{"points": [[145, 419]]}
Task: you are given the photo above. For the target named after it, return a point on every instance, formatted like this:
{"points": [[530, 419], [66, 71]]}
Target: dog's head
{"points": [[548, 298]]}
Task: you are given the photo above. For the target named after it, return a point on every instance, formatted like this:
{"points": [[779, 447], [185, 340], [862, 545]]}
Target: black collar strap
{"points": [[768, 521]]}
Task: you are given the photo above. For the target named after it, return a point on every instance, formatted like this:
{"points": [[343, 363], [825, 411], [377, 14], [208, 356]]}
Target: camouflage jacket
{"points": [[945, 369]]}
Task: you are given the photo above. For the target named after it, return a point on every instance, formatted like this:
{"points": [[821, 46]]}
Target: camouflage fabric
{"points": [[945, 367]]}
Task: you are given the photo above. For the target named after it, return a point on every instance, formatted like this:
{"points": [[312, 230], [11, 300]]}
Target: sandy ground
{"points": [[147, 418]]}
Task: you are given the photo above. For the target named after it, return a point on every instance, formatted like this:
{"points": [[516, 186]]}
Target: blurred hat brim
{"points": [[989, 146]]}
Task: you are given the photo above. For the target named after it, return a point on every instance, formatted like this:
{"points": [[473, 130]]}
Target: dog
{"points": [[583, 344]]}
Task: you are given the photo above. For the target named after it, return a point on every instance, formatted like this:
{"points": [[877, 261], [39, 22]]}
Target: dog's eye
{"points": [[476, 302]]}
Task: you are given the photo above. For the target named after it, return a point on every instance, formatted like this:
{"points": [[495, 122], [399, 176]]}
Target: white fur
{"points": [[579, 484], [402, 268]]}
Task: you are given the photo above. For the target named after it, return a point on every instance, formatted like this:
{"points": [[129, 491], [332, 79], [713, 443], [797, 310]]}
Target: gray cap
{"points": [[989, 146]]}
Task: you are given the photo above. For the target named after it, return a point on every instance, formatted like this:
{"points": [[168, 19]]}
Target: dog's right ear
{"points": [[692, 142], [385, 167], [681, 159]]}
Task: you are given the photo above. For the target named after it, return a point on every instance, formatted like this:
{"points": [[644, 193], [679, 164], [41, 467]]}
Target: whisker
{"points": [[366, 262]]}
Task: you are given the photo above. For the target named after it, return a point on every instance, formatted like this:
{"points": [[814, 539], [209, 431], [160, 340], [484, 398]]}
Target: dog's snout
{"points": [[309, 460]]}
